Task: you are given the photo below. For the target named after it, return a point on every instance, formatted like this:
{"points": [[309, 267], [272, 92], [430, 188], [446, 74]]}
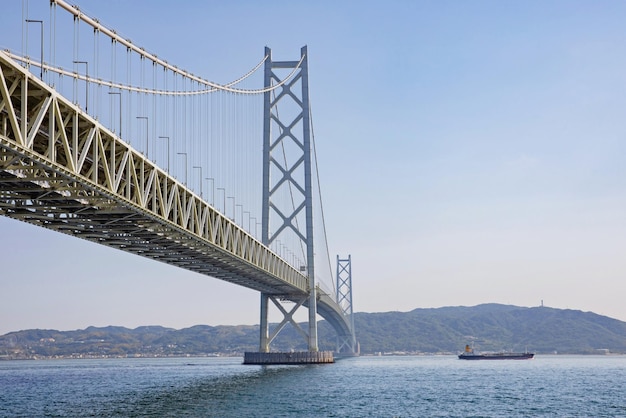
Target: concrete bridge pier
{"points": [[302, 357]]}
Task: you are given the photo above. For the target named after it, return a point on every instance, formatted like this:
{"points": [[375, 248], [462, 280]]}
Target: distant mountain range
{"points": [[491, 327], [439, 330]]}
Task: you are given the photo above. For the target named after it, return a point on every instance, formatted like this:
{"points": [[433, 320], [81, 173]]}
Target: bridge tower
{"points": [[287, 171], [346, 344]]}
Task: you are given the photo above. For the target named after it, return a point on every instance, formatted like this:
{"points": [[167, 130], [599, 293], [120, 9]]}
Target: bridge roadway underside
{"points": [[65, 207], [98, 218]]}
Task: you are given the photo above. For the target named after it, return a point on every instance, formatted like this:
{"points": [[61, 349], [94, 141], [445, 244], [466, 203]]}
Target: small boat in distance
{"points": [[469, 354]]}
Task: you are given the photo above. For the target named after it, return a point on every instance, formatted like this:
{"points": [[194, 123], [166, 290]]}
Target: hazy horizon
{"points": [[303, 321]]}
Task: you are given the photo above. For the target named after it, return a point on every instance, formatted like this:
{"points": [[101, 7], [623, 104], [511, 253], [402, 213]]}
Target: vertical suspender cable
{"points": [[164, 113], [51, 30], [141, 104], [154, 112], [174, 116], [183, 116], [53, 34], [25, 30], [95, 72], [75, 57], [219, 139], [197, 135], [128, 103]]}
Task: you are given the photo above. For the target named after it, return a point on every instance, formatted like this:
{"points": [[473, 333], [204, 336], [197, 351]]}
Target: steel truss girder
{"points": [[62, 170]]}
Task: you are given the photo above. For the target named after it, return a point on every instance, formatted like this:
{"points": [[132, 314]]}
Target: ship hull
{"points": [[497, 356]]}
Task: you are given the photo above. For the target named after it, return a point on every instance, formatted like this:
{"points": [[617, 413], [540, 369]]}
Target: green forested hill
{"points": [[489, 327], [492, 327]]}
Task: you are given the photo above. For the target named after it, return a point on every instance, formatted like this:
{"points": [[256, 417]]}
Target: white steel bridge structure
{"points": [[62, 169]]}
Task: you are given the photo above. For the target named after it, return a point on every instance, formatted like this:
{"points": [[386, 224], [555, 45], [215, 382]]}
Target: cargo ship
{"points": [[469, 354]]}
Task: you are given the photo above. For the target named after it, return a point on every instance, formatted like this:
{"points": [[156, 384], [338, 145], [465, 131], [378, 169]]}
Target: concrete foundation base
{"points": [[301, 357]]}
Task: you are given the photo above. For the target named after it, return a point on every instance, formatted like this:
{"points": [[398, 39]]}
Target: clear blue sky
{"points": [[470, 152]]}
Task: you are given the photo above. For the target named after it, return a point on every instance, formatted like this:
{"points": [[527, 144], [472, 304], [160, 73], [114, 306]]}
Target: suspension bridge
{"points": [[108, 142]]}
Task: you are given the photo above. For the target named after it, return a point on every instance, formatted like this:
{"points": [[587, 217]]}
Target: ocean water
{"points": [[418, 386]]}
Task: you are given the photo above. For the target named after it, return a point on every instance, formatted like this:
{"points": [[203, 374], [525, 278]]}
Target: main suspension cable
{"points": [[75, 11], [213, 87]]}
